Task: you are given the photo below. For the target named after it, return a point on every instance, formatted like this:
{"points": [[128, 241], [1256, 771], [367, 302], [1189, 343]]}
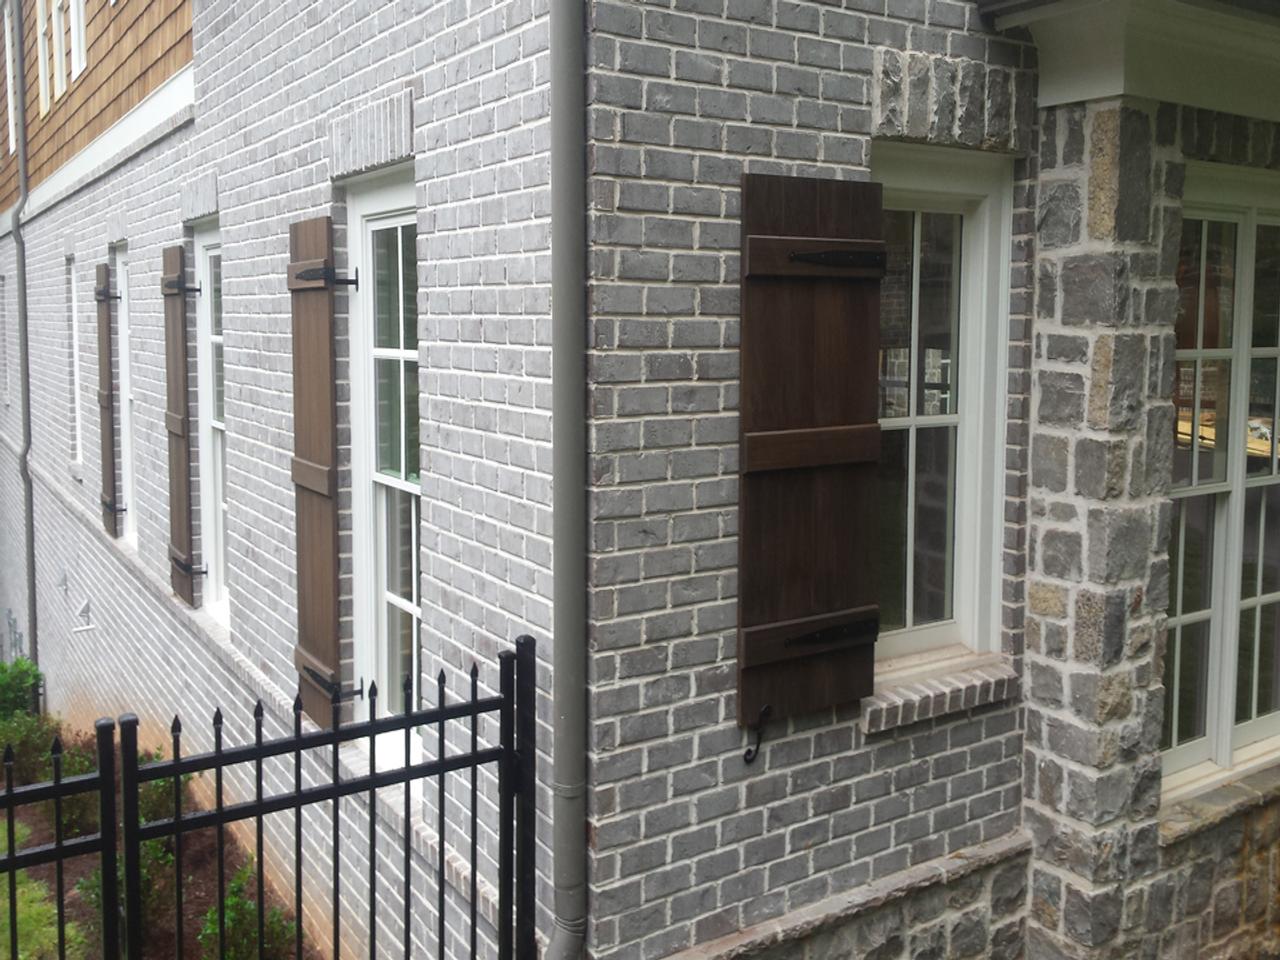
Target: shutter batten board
{"points": [[813, 255], [106, 401], [176, 417], [315, 462]]}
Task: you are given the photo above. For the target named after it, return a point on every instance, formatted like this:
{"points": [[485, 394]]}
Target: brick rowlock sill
{"points": [[914, 689]]}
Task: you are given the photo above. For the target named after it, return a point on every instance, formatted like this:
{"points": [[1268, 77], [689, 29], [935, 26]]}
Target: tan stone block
{"points": [[1104, 173], [1047, 600]]}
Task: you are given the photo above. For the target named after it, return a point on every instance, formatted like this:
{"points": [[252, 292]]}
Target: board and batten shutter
{"points": [[315, 459], [813, 254], [106, 400], [173, 284]]}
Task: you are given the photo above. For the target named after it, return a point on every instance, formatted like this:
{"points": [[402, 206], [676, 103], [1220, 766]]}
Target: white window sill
{"points": [[922, 686]]}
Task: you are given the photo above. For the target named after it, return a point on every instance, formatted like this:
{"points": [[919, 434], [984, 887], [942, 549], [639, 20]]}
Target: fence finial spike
{"points": [[217, 717], [257, 710], [56, 747], [176, 727], [475, 670], [373, 689], [8, 753], [297, 702]]}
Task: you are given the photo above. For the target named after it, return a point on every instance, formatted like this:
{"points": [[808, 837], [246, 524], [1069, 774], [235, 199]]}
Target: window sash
{"points": [[212, 428]]}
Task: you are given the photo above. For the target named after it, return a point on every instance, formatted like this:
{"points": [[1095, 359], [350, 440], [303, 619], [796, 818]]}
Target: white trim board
{"points": [[169, 106], [1168, 50]]}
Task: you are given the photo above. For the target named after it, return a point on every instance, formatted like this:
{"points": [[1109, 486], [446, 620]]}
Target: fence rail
{"points": [[124, 919]]}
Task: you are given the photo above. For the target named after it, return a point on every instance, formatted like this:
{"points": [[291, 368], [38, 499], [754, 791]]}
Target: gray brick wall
{"points": [[688, 843]]}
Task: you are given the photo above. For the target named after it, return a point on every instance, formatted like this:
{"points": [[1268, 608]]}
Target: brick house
{"points": [[832, 388]]}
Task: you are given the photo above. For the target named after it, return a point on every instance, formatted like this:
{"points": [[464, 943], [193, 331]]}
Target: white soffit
{"points": [[1194, 52]]}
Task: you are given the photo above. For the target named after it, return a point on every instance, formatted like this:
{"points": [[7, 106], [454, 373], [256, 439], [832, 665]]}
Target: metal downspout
{"points": [[24, 339], [569, 476]]}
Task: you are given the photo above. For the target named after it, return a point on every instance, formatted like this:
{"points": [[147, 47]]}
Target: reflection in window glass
{"points": [[920, 417], [1186, 658]]}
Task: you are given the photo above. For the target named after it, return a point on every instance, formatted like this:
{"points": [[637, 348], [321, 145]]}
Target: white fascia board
{"points": [[137, 129], [1199, 55]]}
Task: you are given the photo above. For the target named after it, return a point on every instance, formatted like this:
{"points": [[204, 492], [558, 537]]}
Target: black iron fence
{"points": [[126, 870]]}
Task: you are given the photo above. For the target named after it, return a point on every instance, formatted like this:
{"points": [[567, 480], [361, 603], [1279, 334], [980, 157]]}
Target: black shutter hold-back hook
{"points": [[753, 751]]}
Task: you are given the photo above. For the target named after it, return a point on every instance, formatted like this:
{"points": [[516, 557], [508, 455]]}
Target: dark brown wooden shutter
{"points": [[106, 401], [315, 458], [173, 284], [812, 258]]}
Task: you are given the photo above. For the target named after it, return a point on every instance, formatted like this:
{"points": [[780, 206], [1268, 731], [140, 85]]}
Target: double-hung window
{"points": [[211, 394], [42, 54], [9, 82], [124, 337], [943, 326], [1222, 660], [59, 47], [386, 495]]}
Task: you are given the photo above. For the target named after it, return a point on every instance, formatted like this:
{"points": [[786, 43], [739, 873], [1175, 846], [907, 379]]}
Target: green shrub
{"points": [[31, 738], [19, 683], [80, 811], [155, 867], [37, 916], [155, 797], [242, 925]]}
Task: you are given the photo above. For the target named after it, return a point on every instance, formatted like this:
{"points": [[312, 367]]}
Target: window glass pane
{"points": [[411, 421], [386, 288], [398, 540], [939, 336], [1244, 664], [1193, 681], [215, 298], [896, 295], [1261, 423], [1271, 542], [1197, 554], [1249, 559], [892, 542], [1189, 284], [1215, 419], [1266, 296], [1175, 553], [387, 429], [934, 524], [409, 274], [219, 383], [399, 654], [1220, 285], [1268, 661], [1184, 400]]}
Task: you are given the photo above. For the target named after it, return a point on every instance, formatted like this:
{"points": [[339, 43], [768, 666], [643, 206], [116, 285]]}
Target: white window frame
{"points": [[127, 498], [59, 48], [42, 54], [374, 203], [211, 433], [79, 46], [77, 415], [1248, 198], [980, 187], [9, 80]]}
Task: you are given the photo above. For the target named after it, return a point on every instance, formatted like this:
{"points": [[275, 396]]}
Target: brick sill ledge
{"points": [[916, 688], [1194, 814], [810, 920]]}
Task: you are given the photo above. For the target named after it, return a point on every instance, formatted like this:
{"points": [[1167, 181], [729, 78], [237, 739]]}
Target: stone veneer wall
{"points": [[1107, 873]]}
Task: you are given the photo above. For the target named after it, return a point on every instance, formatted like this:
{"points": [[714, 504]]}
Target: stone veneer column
{"points": [[1108, 228]]}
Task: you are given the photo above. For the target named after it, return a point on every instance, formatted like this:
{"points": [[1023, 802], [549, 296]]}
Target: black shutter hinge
{"points": [[104, 294], [178, 285], [334, 689], [753, 751], [109, 505], [187, 568], [328, 275]]}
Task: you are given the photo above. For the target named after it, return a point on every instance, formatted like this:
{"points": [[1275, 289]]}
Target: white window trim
{"points": [[1248, 198], [213, 534], [78, 39], [42, 54], [979, 186], [380, 201], [59, 49], [9, 82], [127, 498]]}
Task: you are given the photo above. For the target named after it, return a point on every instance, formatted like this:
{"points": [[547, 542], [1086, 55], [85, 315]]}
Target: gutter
{"points": [[24, 339], [569, 478]]}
